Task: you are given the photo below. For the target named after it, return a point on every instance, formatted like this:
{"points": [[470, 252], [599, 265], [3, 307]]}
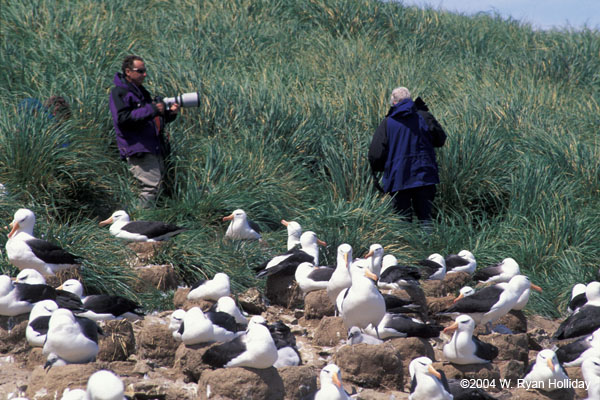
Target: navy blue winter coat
{"points": [[403, 147]]}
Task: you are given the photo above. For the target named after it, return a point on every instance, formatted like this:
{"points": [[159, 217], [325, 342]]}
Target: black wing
{"points": [[289, 265], [395, 304], [254, 226], [40, 324], [321, 274], [282, 335], [583, 322], [486, 273], [89, 328], [219, 355], [485, 351], [578, 301], [429, 266], [413, 383], [107, 304], [68, 300], [153, 229], [51, 253], [400, 272], [481, 301], [454, 261], [444, 381], [412, 328], [32, 293], [570, 352], [222, 319]]}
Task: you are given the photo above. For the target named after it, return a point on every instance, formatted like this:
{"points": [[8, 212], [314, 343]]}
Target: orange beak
{"points": [[336, 381], [536, 288], [550, 365], [228, 218], [451, 328], [284, 222], [369, 254], [14, 226], [322, 243], [460, 296], [434, 372], [346, 260], [106, 222], [371, 275]]}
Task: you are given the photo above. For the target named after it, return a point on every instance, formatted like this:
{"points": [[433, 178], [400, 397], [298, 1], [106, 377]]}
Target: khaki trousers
{"points": [[148, 169]]}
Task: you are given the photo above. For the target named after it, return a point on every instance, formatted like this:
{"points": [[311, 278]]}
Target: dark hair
{"points": [[59, 107], [128, 62]]}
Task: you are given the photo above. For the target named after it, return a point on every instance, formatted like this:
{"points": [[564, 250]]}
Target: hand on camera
{"points": [[174, 108]]}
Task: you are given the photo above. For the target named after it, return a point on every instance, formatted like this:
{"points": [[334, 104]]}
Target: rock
{"points": [[156, 343], [534, 394], [12, 335], [317, 305], [118, 342], [299, 381], [409, 349], [515, 320], [284, 291], [451, 284], [370, 366], [241, 383], [330, 332], [486, 372], [180, 300], [180, 297], [161, 277], [370, 394], [144, 251], [13, 378], [161, 389], [511, 371], [49, 385], [439, 304], [510, 347], [188, 360], [576, 379], [252, 302]]}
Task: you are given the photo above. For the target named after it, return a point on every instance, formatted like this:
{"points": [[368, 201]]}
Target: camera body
{"points": [[191, 99]]}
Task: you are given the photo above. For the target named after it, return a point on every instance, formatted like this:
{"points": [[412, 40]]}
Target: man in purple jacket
{"points": [[139, 123], [403, 148]]}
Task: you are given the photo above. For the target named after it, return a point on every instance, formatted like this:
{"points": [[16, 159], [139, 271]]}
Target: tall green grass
{"points": [[292, 92]]}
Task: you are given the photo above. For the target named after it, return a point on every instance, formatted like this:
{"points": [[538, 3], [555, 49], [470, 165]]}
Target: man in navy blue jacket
{"points": [[139, 123], [403, 148]]}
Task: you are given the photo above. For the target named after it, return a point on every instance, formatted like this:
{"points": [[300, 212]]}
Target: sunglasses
{"points": [[139, 70]]}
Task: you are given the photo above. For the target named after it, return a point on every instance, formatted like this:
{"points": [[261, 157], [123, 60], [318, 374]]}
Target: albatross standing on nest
{"points": [[492, 302], [362, 303], [26, 251]]}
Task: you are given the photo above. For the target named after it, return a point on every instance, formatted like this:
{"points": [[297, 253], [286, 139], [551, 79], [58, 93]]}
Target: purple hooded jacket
{"points": [[133, 118]]}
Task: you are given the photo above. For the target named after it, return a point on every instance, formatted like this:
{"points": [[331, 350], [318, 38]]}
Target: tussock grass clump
{"points": [[292, 92]]}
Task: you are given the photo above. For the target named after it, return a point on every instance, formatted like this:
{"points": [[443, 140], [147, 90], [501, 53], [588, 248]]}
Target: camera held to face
{"points": [[191, 99]]}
